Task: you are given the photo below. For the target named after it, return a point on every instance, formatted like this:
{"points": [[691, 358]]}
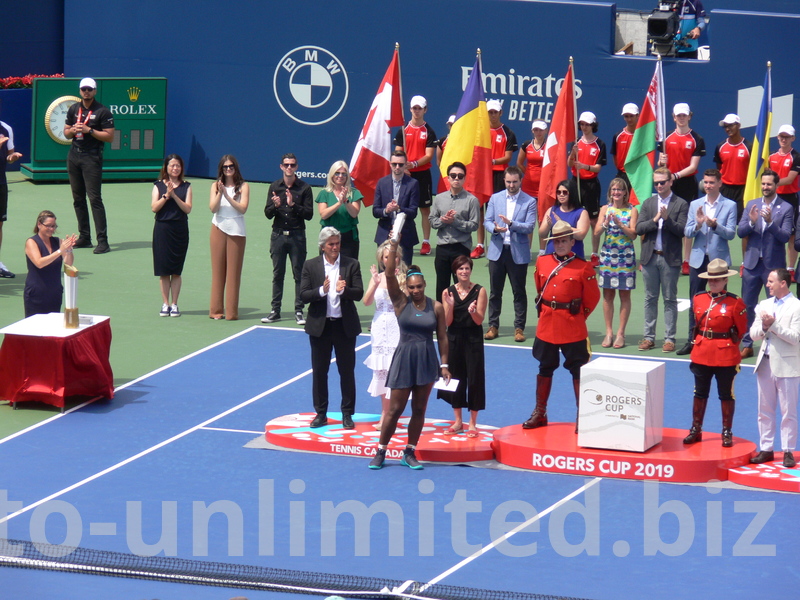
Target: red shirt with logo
{"points": [[619, 148], [503, 140], [417, 141], [590, 153], [732, 161], [533, 168], [783, 164]]}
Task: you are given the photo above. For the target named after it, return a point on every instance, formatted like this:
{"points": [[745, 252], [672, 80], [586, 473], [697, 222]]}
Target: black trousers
{"points": [[443, 263], [85, 171], [282, 246], [576, 354], [498, 269], [703, 374], [333, 339]]}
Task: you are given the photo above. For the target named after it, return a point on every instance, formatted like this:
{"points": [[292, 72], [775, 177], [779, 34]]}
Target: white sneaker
{"points": [[174, 311], [164, 310]]}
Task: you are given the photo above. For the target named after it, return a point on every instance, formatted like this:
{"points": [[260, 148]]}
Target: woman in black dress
{"points": [[172, 202], [464, 308], [414, 366], [45, 254]]}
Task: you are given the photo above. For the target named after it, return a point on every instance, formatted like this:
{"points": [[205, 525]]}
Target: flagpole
{"points": [[577, 129], [400, 71]]}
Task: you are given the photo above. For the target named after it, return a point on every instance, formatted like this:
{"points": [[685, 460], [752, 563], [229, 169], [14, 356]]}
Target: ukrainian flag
{"points": [[759, 157], [470, 140]]}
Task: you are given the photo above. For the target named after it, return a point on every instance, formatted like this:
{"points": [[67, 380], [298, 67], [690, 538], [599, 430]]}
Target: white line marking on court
{"points": [[230, 430], [167, 441], [517, 529]]}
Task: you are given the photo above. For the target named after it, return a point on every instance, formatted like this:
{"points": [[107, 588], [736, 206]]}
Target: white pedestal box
{"points": [[621, 404]]}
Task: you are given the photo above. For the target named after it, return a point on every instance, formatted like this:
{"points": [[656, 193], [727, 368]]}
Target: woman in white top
{"points": [[230, 196], [384, 330]]}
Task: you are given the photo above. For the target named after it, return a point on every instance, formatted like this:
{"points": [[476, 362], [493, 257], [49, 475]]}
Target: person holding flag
{"points": [[786, 163], [622, 141], [587, 157]]}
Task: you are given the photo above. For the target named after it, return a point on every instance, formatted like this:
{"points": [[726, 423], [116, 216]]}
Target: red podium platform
{"points": [[768, 476], [554, 449], [293, 431]]}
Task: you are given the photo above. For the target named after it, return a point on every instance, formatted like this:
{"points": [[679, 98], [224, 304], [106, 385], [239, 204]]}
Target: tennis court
{"points": [[164, 469]]}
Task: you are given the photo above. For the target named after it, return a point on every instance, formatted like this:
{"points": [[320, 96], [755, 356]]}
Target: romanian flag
{"points": [[759, 157], [470, 140], [650, 128], [370, 159], [563, 130]]}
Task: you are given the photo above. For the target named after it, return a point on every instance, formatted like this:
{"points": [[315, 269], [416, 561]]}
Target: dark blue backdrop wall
{"points": [[239, 72]]}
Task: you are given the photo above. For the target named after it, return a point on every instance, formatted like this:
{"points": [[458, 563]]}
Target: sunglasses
{"points": [[87, 89], [660, 183], [398, 165], [458, 176], [290, 165], [340, 174], [228, 167], [562, 193]]}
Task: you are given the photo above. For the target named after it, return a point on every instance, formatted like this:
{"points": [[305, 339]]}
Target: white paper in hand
{"points": [[447, 387], [399, 221]]}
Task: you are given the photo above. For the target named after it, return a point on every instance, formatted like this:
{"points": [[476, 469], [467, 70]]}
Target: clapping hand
{"points": [[326, 285], [289, 199], [340, 285], [447, 296], [753, 214], [276, 200], [473, 306], [767, 320], [376, 277]]}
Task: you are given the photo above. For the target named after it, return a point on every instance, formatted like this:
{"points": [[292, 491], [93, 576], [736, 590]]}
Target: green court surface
{"points": [[121, 283]]}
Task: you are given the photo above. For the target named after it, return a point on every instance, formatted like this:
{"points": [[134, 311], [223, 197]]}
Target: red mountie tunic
{"points": [[783, 164], [417, 140], [718, 315], [681, 148], [533, 168], [576, 279], [590, 154], [619, 148], [733, 160], [503, 140]]}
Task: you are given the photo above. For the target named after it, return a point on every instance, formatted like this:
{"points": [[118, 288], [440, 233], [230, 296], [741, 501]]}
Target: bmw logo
{"points": [[310, 85]]}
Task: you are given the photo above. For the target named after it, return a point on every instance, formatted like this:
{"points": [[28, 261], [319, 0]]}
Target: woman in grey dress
{"points": [[415, 366]]}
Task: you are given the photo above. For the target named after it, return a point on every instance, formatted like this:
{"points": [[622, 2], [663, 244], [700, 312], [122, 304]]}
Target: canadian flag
{"points": [[370, 159], [562, 132]]}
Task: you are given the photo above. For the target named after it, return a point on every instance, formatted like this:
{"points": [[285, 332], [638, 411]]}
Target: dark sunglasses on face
{"points": [[456, 176]]}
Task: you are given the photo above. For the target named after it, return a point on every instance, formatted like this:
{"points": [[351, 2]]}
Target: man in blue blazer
{"points": [[712, 223], [397, 193], [767, 225], [510, 218]]}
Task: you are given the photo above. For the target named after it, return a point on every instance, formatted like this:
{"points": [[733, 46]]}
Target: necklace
{"points": [[463, 293], [416, 306]]}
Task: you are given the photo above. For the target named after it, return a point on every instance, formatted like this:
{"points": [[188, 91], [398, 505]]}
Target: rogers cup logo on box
{"points": [[310, 85]]}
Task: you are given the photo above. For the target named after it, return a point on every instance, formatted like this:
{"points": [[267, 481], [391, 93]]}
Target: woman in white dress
{"points": [[384, 330]]}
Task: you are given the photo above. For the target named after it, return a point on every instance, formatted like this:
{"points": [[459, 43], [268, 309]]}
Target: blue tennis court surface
{"points": [[163, 469]]}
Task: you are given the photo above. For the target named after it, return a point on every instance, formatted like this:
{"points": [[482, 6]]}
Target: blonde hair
{"points": [[402, 268], [348, 189]]}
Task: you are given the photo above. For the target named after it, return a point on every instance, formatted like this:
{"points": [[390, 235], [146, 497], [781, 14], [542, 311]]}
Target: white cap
{"points": [[538, 124], [451, 119], [681, 108], [630, 109], [419, 101], [787, 130], [730, 119], [88, 82], [587, 117], [494, 105]]}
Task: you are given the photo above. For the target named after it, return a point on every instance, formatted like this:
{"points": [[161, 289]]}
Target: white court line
{"points": [[230, 430], [502, 538]]}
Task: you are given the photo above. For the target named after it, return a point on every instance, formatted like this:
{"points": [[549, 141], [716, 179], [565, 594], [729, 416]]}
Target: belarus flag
{"points": [[650, 128], [562, 132], [470, 140], [370, 159]]}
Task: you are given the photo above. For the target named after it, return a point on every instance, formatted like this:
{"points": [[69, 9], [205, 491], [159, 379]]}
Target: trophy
{"points": [[70, 297]]}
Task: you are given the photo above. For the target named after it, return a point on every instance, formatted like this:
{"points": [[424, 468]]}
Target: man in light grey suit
{"points": [[662, 221], [777, 322], [510, 218], [712, 223]]}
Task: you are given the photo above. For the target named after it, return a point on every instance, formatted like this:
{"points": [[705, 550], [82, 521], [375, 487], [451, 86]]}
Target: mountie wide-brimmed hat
{"points": [[560, 229], [717, 269]]}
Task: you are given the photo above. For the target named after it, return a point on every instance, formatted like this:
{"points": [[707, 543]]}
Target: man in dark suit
{"points": [[767, 224], [394, 194], [330, 285], [662, 221]]}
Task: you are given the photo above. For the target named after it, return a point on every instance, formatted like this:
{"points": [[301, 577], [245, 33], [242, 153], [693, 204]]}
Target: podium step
{"points": [[768, 476], [554, 449]]}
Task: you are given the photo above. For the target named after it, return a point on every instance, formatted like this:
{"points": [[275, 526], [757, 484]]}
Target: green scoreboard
{"points": [[139, 106]]}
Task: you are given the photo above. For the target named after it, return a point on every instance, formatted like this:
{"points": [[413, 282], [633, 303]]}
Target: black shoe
{"points": [[377, 462], [695, 435], [410, 460], [102, 248], [727, 438], [686, 349], [788, 459], [83, 243], [272, 317], [320, 420], [764, 456], [347, 422]]}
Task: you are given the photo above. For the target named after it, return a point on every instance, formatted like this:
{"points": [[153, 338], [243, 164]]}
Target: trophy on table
{"points": [[70, 297]]}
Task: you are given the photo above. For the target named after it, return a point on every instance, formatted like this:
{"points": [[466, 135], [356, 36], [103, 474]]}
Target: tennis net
{"points": [[29, 555]]}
